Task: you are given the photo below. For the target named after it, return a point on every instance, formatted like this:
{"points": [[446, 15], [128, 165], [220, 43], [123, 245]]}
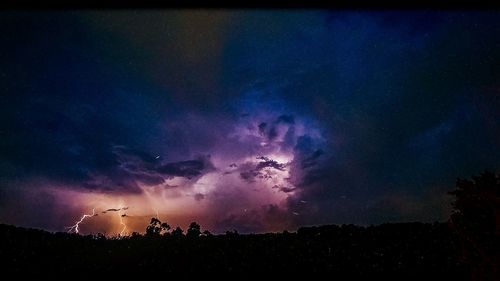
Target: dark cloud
{"points": [[199, 196], [310, 160], [134, 166], [251, 171], [149, 179], [266, 162], [287, 189], [187, 169], [272, 129], [114, 210], [262, 128], [249, 176], [144, 168]]}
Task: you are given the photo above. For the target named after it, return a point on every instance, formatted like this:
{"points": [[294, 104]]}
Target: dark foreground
{"points": [[414, 248]]}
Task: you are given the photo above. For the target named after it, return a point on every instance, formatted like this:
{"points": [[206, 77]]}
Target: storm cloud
{"points": [[239, 117]]}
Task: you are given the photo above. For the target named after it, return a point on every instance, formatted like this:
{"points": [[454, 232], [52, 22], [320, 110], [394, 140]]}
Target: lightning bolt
{"points": [[122, 223], [77, 224]]}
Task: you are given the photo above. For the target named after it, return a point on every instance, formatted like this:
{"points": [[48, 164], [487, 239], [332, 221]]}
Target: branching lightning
{"points": [[75, 228], [77, 224]]}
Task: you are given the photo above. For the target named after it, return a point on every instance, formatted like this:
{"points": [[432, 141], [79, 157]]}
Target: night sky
{"points": [[249, 120]]}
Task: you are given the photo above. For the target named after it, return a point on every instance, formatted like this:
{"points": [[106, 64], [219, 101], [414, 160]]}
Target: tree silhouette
{"points": [[165, 228], [341, 250], [477, 205], [135, 235], [154, 228], [476, 220], [177, 232], [193, 230], [233, 233], [157, 228]]}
